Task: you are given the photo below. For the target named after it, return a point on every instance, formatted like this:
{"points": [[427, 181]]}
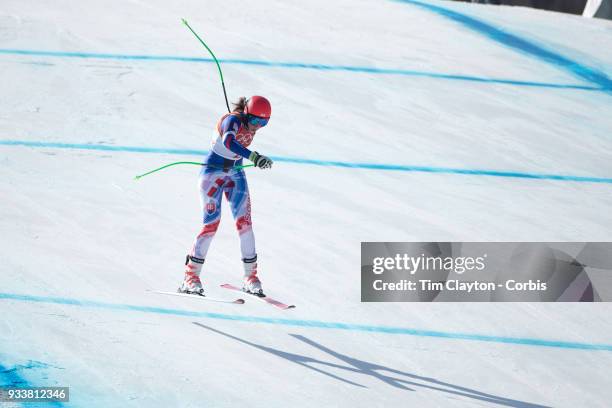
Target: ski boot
{"points": [[192, 284], [252, 284]]}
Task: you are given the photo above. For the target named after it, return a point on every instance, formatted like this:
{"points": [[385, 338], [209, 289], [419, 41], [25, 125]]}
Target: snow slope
{"points": [[92, 97]]}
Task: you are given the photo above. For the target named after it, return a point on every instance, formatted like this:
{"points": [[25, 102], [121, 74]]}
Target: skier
{"points": [[234, 133]]}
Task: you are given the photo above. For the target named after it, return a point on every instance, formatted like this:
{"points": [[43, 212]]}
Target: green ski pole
{"points": [[215, 58], [185, 162]]}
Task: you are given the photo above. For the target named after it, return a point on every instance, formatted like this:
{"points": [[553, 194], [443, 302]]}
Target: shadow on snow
{"points": [[390, 376]]}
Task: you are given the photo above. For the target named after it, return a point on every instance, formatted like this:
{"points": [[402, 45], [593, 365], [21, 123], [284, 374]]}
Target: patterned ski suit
{"points": [[229, 146]]}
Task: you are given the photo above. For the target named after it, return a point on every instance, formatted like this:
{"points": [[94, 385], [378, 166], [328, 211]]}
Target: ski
{"points": [[198, 297], [266, 299]]}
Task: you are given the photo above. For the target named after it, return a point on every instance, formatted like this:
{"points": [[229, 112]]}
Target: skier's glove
{"points": [[261, 161]]}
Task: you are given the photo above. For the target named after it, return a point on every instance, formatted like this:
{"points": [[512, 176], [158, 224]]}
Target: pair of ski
{"points": [[239, 301]]}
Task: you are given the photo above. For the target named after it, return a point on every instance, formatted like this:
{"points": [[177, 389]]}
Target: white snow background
{"points": [[374, 82]]}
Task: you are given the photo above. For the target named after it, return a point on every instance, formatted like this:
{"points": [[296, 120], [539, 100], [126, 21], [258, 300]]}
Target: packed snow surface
{"points": [[392, 121]]}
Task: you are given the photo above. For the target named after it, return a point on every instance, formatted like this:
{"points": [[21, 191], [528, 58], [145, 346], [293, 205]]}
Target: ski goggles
{"points": [[256, 120]]}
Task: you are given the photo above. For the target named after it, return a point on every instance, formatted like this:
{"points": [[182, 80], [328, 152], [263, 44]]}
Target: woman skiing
{"points": [[234, 133]]}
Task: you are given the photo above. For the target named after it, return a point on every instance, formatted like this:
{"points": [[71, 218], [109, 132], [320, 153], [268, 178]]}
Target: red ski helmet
{"points": [[258, 106]]}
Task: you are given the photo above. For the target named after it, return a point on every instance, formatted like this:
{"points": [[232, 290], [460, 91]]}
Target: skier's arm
{"points": [[229, 141], [261, 161], [229, 127]]}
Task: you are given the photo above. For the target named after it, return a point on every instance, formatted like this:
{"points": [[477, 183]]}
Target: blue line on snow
{"points": [[9, 377], [513, 41], [299, 65], [327, 163], [308, 323]]}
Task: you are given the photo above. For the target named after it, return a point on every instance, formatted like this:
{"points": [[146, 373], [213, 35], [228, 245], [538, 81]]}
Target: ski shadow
{"points": [[395, 378]]}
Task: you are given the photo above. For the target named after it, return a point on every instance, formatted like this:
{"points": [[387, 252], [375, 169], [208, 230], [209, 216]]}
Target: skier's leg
{"points": [[237, 193], [211, 189]]}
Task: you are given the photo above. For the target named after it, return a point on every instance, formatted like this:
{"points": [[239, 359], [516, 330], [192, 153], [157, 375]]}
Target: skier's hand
{"points": [[261, 161]]}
